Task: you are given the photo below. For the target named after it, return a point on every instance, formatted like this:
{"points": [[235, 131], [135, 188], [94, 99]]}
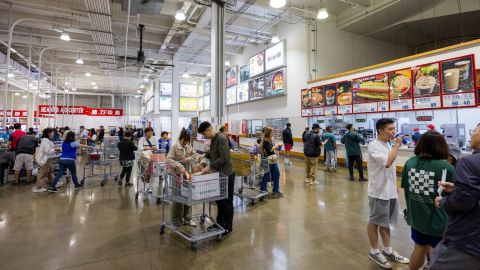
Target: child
{"points": [[127, 157], [164, 142]]}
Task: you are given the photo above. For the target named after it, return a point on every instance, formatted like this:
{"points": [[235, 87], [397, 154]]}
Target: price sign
{"points": [[382, 106], [330, 110], [307, 112], [459, 100], [318, 111], [365, 107], [344, 109], [360, 120], [427, 103], [401, 104]]}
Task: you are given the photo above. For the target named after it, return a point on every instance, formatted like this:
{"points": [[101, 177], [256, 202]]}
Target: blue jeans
{"points": [[65, 164], [275, 174]]}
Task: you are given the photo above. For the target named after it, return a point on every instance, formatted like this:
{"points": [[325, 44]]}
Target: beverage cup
{"points": [[452, 78], [464, 67]]}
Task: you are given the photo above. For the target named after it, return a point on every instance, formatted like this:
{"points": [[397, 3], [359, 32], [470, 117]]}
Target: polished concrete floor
{"points": [[311, 227]]}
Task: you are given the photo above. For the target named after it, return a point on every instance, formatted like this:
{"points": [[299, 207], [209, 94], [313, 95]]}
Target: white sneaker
{"points": [[307, 180], [380, 260], [395, 257], [38, 190], [60, 183], [314, 183]]}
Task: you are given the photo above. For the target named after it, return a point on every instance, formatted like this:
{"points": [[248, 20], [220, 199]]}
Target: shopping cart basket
{"points": [[151, 167], [96, 157], [249, 168]]}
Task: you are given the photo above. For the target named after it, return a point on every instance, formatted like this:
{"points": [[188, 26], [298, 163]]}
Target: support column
{"points": [[175, 98], [217, 61]]}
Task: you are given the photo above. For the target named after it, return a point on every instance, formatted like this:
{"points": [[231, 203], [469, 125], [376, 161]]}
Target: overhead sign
{"points": [[14, 113], [78, 110], [424, 118], [257, 64], [275, 56]]}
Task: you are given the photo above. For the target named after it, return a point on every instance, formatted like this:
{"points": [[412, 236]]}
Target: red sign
{"points": [[16, 113], [103, 112], [244, 127], [424, 118]]}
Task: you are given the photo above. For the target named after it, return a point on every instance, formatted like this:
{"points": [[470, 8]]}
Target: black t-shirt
{"points": [[27, 145]]}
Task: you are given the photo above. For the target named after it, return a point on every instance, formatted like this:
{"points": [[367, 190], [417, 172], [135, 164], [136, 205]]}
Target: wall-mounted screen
{"points": [[257, 64], [231, 76], [231, 95], [244, 73], [256, 88], [165, 89], [188, 90], [188, 104], [275, 83], [242, 92], [165, 103], [275, 56]]}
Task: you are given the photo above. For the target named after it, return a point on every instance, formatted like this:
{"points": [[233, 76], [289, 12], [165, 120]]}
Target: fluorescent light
{"points": [[74, 89], [17, 94], [275, 39], [24, 96], [66, 91], [278, 3], [227, 63], [322, 14], [209, 74], [185, 75], [95, 87], [142, 86], [47, 96], [146, 79], [137, 96], [65, 36], [79, 61], [93, 83], [13, 50], [11, 75], [180, 16], [88, 74], [66, 83], [138, 91]]}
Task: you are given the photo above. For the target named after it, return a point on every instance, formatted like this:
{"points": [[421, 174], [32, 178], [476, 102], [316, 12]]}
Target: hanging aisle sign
{"points": [[46, 110]]}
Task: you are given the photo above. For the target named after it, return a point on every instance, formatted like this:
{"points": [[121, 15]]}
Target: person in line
{"points": [[460, 247], [56, 135], [420, 177], [16, 135], [416, 135], [66, 130], [267, 150], [307, 129], [383, 193], [220, 161], [127, 158], [147, 145], [431, 127], [164, 142], [46, 158], [120, 133], [330, 149], [181, 155], [287, 139], [101, 134], [82, 133], [224, 130], [68, 161], [311, 149], [26, 147], [92, 138], [352, 141], [454, 154]]}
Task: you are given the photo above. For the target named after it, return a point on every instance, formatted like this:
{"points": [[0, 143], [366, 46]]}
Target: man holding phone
{"points": [[383, 192]]}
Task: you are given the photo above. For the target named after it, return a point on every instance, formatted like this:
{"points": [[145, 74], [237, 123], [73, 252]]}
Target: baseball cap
{"points": [[314, 126], [416, 129], [454, 151], [431, 126]]}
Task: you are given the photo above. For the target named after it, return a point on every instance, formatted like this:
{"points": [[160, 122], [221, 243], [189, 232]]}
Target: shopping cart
{"points": [[201, 189], [110, 148], [249, 168], [97, 157], [151, 167]]}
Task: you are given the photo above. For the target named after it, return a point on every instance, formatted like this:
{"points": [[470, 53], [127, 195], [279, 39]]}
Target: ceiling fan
{"points": [[139, 61]]}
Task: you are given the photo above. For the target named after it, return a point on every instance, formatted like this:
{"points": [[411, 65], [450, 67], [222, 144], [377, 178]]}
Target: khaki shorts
{"points": [[23, 160], [383, 212]]}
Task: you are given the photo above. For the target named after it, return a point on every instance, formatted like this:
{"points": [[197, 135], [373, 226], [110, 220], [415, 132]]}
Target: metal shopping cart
{"points": [[201, 189], [151, 167], [249, 168], [96, 157]]}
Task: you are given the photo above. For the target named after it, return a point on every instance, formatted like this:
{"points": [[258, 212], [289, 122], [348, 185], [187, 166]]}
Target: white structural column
{"points": [[175, 98], [217, 61]]}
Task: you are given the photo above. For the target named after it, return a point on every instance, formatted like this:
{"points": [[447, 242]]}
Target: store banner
{"points": [[14, 113], [103, 112], [46, 110]]}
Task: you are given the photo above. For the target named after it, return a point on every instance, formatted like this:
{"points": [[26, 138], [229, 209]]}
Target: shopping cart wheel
{"points": [[253, 202], [159, 200], [193, 245], [261, 198], [162, 230]]}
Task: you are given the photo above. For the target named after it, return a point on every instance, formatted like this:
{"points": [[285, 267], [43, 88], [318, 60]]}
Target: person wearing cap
{"points": [[430, 127], [311, 149], [416, 135]]}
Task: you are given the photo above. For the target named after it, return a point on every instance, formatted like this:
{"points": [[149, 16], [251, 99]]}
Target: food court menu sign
{"points": [[445, 84]]}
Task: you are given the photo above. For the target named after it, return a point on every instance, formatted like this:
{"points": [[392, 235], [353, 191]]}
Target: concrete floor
{"points": [[312, 227]]}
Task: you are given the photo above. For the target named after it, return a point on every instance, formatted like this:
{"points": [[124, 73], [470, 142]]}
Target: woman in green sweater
{"points": [[420, 178]]}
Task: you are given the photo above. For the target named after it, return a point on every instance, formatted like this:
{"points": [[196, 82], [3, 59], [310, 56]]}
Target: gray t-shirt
{"points": [[27, 145]]}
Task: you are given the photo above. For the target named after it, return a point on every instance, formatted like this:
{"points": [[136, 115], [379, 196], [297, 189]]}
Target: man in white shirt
{"points": [[383, 192]]}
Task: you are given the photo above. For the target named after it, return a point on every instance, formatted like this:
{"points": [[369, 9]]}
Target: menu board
{"points": [[367, 91], [307, 112], [306, 98], [477, 78], [165, 103], [344, 97], [426, 83], [256, 88], [242, 92], [231, 76], [458, 85], [275, 56], [206, 87], [188, 104], [188, 90], [401, 90], [165, 89], [275, 83], [244, 73], [317, 97], [200, 104], [231, 95], [257, 64], [206, 103]]}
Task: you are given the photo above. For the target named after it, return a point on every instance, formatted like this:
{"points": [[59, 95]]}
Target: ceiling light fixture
{"points": [[79, 61], [227, 63], [275, 39], [138, 91], [185, 75], [17, 94], [11, 75], [278, 3], [180, 15], [24, 96], [88, 74], [322, 14], [209, 74], [67, 83], [65, 36], [93, 83], [146, 79], [74, 89], [66, 91], [142, 86], [95, 87]]}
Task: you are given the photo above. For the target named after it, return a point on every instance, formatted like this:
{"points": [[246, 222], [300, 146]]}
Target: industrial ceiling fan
{"points": [[139, 61]]}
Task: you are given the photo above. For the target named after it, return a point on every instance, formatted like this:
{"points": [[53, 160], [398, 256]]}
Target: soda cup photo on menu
{"points": [[405, 140]]}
